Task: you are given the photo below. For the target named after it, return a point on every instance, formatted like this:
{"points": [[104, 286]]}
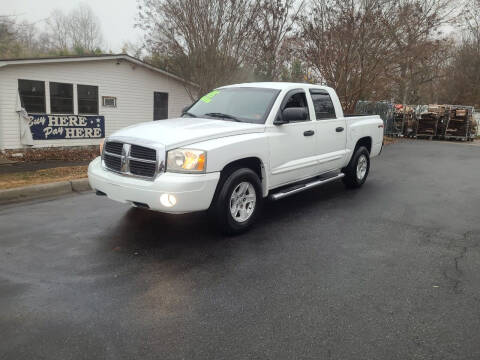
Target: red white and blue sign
{"points": [[55, 127]]}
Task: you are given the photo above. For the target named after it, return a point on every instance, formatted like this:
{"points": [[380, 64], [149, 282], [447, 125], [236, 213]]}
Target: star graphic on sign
{"points": [[91, 122]]}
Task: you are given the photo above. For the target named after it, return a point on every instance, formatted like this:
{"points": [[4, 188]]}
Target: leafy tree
{"points": [[204, 41], [275, 24]]}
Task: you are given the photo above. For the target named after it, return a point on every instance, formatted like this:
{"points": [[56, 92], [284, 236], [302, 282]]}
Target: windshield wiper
{"points": [[224, 116], [189, 114]]}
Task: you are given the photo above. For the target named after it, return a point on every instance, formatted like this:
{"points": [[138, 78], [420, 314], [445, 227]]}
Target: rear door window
{"points": [[323, 104]]}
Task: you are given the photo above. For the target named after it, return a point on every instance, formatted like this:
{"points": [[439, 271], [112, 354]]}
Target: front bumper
{"points": [[193, 192]]}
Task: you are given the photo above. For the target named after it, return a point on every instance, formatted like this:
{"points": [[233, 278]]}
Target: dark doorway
{"points": [[160, 105]]}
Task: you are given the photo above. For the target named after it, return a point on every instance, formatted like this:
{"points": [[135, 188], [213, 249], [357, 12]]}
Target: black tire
{"points": [[220, 212], [351, 180]]}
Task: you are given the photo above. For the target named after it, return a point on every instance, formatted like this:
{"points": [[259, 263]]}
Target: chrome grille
{"points": [[113, 162], [130, 159], [114, 147], [141, 152], [141, 168]]}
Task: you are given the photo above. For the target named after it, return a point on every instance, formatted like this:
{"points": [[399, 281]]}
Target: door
{"points": [[160, 105], [292, 145], [331, 132]]}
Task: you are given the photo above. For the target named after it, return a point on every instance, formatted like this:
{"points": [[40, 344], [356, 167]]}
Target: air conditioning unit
{"points": [[109, 101]]}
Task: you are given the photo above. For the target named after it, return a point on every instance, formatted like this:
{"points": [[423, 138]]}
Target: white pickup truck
{"points": [[235, 147]]}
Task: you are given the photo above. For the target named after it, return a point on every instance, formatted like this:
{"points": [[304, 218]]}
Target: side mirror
{"points": [[185, 109], [292, 114]]}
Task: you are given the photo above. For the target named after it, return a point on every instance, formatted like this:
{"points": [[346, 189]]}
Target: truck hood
{"points": [[177, 132]]}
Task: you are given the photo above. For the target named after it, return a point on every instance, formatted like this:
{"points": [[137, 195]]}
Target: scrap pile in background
{"points": [[451, 122]]}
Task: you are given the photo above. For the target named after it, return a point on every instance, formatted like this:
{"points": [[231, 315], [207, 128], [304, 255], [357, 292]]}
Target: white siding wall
{"points": [[131, 84]]}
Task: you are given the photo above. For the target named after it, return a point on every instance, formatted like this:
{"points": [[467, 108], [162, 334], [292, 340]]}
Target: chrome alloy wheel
{"points": [[242, 202], [362, 166]]}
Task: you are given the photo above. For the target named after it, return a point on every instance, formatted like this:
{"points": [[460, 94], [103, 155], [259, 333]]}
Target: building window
{"points": [[61, 98], [323, 105], [32, 95], [87, 99], [160, 106]]}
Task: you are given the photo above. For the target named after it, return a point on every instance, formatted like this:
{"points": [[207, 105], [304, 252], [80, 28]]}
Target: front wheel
{"points": [[238, 202], [357, 170]]}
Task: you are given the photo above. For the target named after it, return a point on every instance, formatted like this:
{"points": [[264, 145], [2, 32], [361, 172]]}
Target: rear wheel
{"points": [[238, 201], [357, 170]]}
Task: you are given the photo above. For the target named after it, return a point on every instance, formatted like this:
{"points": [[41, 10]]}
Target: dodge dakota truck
{"points": [[234, 148]]}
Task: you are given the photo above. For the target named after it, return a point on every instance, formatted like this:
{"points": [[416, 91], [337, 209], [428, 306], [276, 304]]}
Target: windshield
{"points": [[244, 104]]}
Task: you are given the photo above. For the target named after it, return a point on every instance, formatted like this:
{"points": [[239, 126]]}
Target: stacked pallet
{"points": [[398, 120], [446, 122], [461, 125], [432, 121], [402, 121], [427, 125], [409, 120]]}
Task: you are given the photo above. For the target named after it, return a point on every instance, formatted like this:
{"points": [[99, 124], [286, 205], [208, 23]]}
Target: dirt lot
{"points": [[391, 271], [18, 179], [44, 165]]}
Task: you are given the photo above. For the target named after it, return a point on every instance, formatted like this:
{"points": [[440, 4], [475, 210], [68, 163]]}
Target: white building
{"points": [[76, 101]]}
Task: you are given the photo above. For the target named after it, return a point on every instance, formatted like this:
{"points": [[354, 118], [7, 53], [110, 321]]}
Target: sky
{"points": [[117, 17]]}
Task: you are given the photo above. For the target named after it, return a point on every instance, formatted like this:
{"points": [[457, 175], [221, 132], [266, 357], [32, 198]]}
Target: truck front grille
{"points": [[130, 159], [142, 169], [141, 152], [114, 147], [112, 162]]}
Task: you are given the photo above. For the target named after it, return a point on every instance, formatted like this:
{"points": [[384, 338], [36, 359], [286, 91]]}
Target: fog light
{"points": [[168, 200]]}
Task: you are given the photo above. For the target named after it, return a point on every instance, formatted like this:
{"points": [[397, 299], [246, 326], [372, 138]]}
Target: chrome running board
{"points": [[304, 186]]}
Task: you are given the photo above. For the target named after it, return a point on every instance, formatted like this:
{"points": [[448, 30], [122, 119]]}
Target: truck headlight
{"points": [[186, 161]]}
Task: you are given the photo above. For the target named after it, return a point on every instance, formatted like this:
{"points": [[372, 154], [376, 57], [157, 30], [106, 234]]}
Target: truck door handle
{"points": [[339, 129], [308, 133]]}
